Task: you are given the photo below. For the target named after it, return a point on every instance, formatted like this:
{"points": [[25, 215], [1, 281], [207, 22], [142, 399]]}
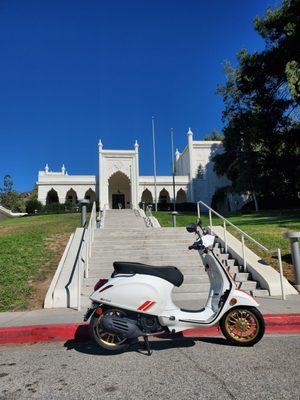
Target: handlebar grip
{"points": [[191, 247]]}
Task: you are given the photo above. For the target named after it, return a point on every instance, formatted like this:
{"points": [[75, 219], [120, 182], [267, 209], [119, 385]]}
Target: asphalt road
{"points": [[182, 369]]}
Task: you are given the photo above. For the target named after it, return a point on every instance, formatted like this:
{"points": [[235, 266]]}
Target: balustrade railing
{"points": [[242, 235]]}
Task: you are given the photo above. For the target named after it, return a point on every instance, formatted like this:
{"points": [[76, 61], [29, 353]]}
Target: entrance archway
{"points": [[119, 191]]}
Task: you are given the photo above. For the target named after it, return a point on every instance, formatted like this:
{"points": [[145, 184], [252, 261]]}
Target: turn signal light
{"points": [[100, 283], [233, 301]]}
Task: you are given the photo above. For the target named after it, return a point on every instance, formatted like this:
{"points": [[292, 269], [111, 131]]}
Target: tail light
{"points": [[106, 287], [100, 283]]}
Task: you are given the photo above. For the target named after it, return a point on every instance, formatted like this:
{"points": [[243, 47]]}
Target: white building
{"points": [[119, 182]]}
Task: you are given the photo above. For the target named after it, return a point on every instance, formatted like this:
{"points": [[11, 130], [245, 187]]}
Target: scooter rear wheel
{"points": [[109, 342], [243, 326]]}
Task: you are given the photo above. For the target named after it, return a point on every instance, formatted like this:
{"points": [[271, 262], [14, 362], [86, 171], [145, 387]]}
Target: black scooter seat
{"points": [[170, 274]]}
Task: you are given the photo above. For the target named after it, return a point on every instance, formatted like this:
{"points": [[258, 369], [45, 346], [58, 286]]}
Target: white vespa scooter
{"points": [[136, 301]]}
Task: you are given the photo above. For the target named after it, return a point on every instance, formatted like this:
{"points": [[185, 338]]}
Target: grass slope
{"points": [[266, 227], [30, 249]]}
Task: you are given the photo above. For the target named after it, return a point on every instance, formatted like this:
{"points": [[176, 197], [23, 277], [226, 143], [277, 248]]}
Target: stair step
{"points": [[233, 269], [260, 293], [193, 288], [242, 277], [188, 279], [248, 285], [230, 262], [105, 273], [223, 256], [189, 296]]}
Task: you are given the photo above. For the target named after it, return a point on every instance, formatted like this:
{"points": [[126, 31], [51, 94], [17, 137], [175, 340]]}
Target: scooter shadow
{"points": [[91, 348]]}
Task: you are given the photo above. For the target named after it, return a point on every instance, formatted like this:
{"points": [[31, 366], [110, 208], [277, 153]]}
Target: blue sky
{"points": [[72, 72]]}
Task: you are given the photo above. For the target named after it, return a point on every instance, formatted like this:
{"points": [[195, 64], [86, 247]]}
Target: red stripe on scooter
{"points": [[149, 305], [144, 305]]}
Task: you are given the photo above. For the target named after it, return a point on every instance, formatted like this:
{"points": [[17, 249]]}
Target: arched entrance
{"points": [[119, 191], [52, 197]]}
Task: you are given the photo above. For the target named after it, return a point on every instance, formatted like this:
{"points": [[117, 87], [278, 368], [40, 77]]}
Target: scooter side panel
{"points": [[142, 293]]}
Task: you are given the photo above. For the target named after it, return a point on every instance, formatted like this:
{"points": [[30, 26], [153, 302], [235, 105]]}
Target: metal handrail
{"points": [[86, 251], [243, 236]]}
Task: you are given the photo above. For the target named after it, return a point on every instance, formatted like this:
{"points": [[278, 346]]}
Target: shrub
{"points": [[33, 206]]}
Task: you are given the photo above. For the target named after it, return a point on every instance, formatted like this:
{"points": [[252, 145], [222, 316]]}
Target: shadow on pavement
{"points": [[90, 347]]}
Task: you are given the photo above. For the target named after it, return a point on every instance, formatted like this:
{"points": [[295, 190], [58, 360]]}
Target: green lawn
{"points": [[266, 227], [30, 249]]}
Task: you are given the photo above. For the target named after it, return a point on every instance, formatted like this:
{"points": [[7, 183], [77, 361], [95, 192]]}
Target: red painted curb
{"points": [[44, 333], [275, 324]]}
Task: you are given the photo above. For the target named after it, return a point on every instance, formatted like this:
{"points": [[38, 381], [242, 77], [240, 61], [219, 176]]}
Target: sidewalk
{"points": [[66, 324], [268, 305]]}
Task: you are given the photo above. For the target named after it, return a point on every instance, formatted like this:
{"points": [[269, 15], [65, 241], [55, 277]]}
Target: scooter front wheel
{"points": [[243, 326], [108, 341]]}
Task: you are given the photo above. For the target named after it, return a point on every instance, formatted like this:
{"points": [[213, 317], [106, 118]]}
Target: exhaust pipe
{"points": [[121, 326]]}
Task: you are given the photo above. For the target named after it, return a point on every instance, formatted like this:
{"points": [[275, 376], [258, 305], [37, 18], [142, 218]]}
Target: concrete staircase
{"points": [[125, 237], [243, 279]]}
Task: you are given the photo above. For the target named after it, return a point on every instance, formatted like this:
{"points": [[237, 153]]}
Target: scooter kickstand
{"points": [[147, 346]]}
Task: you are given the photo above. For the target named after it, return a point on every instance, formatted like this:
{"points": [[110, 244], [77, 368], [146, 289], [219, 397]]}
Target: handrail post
{"points": [[210, 220], [198, 209], [86, 249], [225, 236], [79, 285], [244, 254], [281, 273]]}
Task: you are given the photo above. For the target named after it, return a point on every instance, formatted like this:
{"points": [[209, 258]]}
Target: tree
{"points": [[10, 198], [7, 183], [261, 115], [215, 136]]}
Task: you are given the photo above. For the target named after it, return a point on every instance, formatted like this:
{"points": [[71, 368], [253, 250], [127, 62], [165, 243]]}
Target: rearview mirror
{"points": [[191, 228]]}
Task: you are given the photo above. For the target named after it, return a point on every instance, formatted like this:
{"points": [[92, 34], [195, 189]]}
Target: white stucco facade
{"points": [[118, 181]]}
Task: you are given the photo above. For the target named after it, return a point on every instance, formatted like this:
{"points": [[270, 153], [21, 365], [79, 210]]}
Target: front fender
{"points": [[243, 299]]}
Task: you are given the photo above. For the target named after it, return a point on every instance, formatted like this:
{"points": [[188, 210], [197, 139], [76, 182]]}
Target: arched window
{"points": [[71, 196], [147, 197], [52, 197], [90, 195], [164, 197], [181, 196]]}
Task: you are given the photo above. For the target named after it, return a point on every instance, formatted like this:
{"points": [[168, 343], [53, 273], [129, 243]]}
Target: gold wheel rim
{"points": [[242, 325], [110, 339]]}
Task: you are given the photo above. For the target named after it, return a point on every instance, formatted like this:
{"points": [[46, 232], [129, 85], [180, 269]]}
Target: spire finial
{"points": [[63, 169], [100, 145], [46, 168], [190, 131]]}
